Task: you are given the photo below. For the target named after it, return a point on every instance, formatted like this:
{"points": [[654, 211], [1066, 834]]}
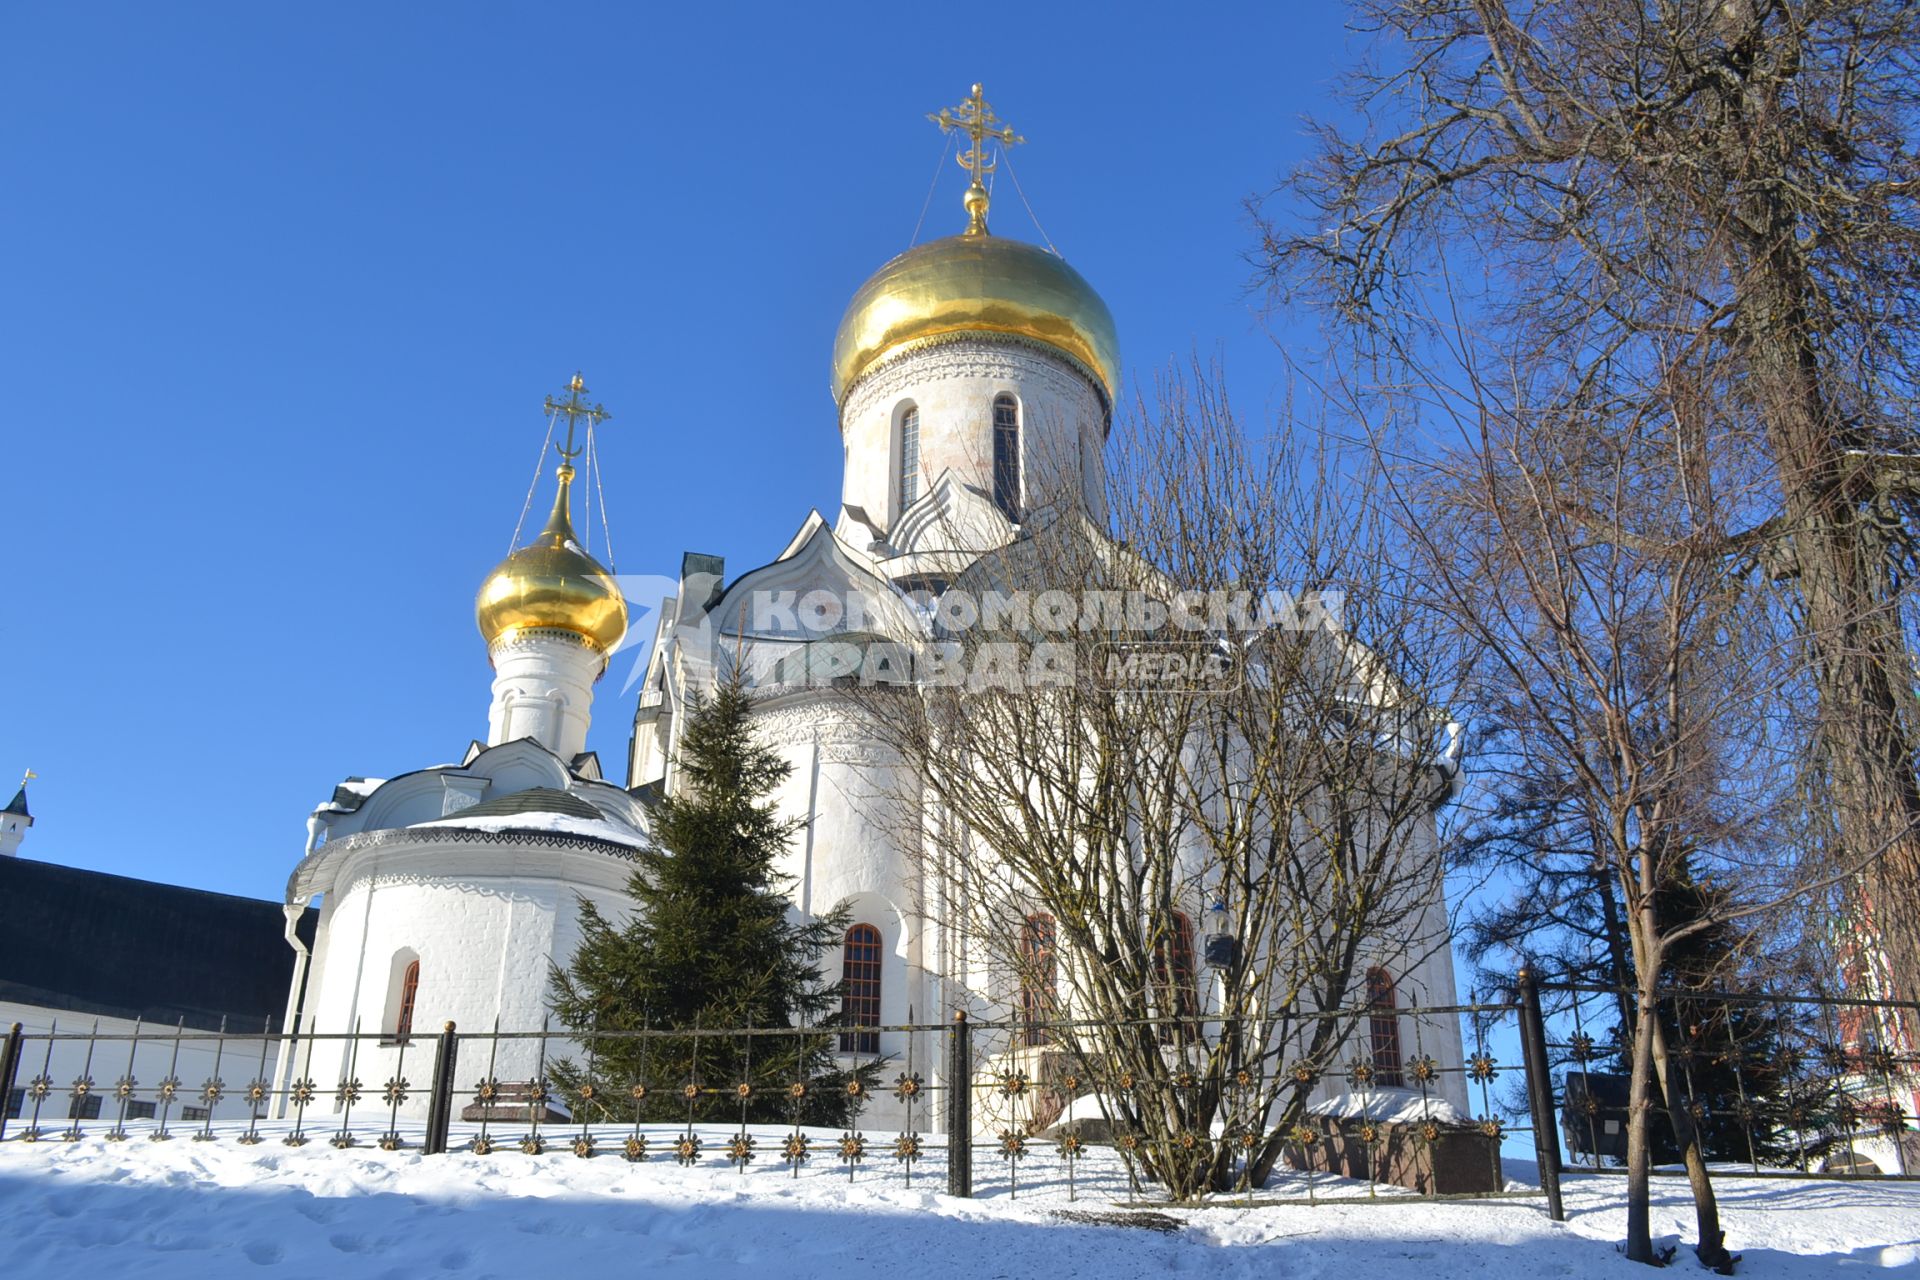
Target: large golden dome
{"points": [[551, 583], [976, 283]]}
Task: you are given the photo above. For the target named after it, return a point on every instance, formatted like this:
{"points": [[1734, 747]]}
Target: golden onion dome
{"points": [[552, 583], [976, 283]]}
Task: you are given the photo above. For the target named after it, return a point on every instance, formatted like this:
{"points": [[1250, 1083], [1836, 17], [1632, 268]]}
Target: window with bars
{"points": [[909, 456], [1174, 969], [1006, 456], [1038, 971], [860, 990], [1385, 1028]]}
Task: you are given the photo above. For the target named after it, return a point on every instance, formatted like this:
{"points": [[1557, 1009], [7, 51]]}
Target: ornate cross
{"points": [[975, 118], [575, 408]]}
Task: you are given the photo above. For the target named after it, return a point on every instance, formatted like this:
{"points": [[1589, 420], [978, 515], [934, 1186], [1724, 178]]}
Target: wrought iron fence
{"points": [[1398, 1105], [1775, 1084], [979, 1105]]}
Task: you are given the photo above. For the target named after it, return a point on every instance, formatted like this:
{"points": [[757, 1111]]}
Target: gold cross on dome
{"points": [[975, 118], [575, 408]]}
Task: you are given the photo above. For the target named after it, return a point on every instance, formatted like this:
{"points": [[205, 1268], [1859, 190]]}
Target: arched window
{"points": [[1385, 1029], [409, 991], [1037, 974], [909, 456], [1006, 456], [860, 989], [1180, 992]]}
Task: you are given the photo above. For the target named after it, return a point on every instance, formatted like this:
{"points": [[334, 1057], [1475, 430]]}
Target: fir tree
{"points": [[710, 947]]}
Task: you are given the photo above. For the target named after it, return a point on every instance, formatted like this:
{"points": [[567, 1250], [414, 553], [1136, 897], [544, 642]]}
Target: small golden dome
{"points": [[977, 283], [552, 583]]}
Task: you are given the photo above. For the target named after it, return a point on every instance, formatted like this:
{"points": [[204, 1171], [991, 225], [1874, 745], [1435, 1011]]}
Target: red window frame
{"points": [[860, 988], [409, 992], [1039, 972], [1384, 1029]]}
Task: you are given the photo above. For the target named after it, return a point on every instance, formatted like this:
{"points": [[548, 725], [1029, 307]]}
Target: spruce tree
{"points": [[711, 947]]}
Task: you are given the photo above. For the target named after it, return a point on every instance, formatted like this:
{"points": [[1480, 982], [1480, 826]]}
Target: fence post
{"points": [[440, 1102], [9, 1068], [959, 1108], [1533, 1052]]}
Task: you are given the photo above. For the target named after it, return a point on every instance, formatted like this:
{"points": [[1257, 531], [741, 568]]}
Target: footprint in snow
{"points": [[64, 1205], [317, 1210], [181, 1244], [264, 1253]]}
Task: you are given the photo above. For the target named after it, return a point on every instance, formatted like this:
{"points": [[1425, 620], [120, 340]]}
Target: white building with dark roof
{"points": [[151, 967]]}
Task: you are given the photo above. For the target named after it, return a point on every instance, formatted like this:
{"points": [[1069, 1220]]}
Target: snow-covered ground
{"points": [[215, 1209]]}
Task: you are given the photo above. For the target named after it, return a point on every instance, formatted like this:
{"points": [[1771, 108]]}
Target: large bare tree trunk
{"points": [[1862, 668]]}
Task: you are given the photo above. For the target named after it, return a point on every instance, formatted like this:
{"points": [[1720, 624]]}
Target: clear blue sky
{"points": [[283, 285]]}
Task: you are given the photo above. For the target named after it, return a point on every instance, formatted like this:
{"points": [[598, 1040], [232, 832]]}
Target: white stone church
{"points": [[966, 373]]}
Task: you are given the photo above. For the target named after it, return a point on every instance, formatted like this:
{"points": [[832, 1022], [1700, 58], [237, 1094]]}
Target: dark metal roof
{"points": [[18, 804], [532, 800], [125, 948]]}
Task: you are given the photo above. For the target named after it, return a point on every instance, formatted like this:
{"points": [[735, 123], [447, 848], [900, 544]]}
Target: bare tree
{"points": [[1728, 185], [1222, 703], [1631, 673]]}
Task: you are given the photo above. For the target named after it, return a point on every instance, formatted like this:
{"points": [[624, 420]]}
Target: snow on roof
{"points": [[350, 793], [532, 800], [1398, 1106], [554, 823]]}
